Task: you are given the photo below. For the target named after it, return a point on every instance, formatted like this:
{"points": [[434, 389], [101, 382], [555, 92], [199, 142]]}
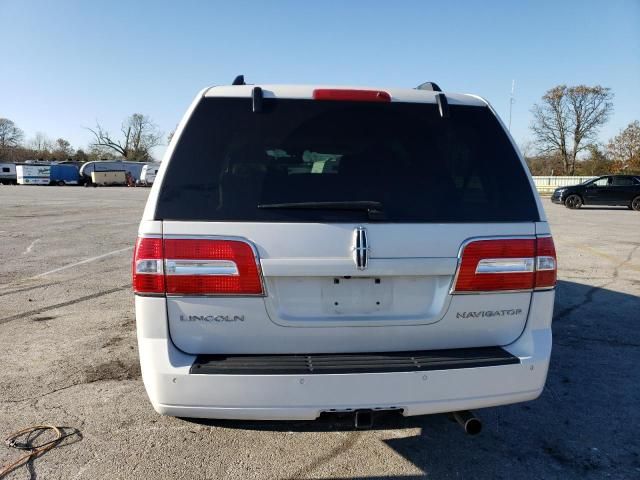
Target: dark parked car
{"points": [[623, 190]]}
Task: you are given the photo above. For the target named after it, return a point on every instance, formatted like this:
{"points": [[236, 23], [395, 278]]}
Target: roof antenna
{"points": [[443, 105], [239, 80], [430, 86]]}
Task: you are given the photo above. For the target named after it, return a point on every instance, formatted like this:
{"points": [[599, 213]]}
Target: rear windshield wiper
{"points": [[373, 209]]}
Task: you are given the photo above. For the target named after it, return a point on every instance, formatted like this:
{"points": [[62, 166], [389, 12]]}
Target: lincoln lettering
{"points": [[212, 318], [489, 313]]}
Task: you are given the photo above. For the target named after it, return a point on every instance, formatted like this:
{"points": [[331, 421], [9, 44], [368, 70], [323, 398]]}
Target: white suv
{"points": [[311, 249]]}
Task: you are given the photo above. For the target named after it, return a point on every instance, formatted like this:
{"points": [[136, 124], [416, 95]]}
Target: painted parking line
{"points": [[82, 262], [30, 247]]}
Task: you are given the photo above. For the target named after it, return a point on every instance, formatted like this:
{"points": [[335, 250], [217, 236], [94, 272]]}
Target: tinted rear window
{"points": [[419, 166], [623, 181]]}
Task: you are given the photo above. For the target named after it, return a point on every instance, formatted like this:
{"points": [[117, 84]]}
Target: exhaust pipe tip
{"points": [[471, 424]]}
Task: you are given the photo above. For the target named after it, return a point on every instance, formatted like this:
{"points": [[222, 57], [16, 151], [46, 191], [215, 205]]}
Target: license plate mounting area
{"points": [[356, 295]]}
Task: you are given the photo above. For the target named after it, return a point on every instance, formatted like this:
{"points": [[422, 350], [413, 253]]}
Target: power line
{"points": [[511, 100]]}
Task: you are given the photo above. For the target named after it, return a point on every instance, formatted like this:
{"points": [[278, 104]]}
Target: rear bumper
{"points": [[173, 390]]}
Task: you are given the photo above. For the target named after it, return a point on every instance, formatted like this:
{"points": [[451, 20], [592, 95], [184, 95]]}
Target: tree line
{"points": [[137, 136]]}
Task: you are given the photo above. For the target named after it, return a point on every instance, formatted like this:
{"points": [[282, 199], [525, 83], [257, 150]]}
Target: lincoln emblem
{"points": [[360, 248]]}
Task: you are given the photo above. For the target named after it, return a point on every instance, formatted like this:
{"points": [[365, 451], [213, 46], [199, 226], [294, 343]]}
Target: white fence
{"points": [[549, 184]]}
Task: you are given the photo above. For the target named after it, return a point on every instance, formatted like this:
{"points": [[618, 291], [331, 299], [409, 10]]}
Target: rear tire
{"points": [[635, 204], [61, 183], [573, 202]]}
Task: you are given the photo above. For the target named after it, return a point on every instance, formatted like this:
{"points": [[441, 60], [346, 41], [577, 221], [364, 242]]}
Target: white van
{"points": [[310, 249]]}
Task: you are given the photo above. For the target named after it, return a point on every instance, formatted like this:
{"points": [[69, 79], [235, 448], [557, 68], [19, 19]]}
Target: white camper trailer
{"points": [[148, 175], [134, 169], [7, 174], [33, 174]]}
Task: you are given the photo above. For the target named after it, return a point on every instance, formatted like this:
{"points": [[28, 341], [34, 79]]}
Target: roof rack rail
{"points": [[239, 80], [430, 86]]}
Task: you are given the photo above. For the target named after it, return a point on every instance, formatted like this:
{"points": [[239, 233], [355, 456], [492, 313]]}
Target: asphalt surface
{"points": [[68, 356]]}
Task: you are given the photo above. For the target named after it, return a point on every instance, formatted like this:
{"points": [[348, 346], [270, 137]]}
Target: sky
{"points": [[67, 64]]}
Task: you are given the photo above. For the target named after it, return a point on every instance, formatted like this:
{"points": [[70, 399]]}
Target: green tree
{"points": [[595, 163]]}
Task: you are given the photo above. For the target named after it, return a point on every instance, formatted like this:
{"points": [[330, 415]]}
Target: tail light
{"points": [[351, 95], [196, 267], [546, 263], [148, 271], [506, 265]]}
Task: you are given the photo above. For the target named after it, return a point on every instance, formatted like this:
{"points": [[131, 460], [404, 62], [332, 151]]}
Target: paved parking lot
{"points": [[68, 357]]}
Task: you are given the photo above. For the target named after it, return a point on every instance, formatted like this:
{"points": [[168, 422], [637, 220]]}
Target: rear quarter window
{"points": [[419, 166], [623, 181]]}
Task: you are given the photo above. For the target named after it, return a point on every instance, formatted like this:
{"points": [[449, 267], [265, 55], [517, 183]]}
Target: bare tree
{"points": [[138, 136], [62, 150], [80, 156], [101, 153], [624, 148], [568, 119], [41, 144], [10, 137]]}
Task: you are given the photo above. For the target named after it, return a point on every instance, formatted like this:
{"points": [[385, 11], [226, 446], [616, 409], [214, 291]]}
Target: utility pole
{"points": [[511, 100]]}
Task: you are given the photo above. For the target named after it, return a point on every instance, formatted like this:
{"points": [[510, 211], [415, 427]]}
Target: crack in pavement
{"points": [[26, 289], [51, 392], [81, 421], [37, 398], [588, 296], [64, 304], [340, 449], [612, 342], [111, 370]]}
